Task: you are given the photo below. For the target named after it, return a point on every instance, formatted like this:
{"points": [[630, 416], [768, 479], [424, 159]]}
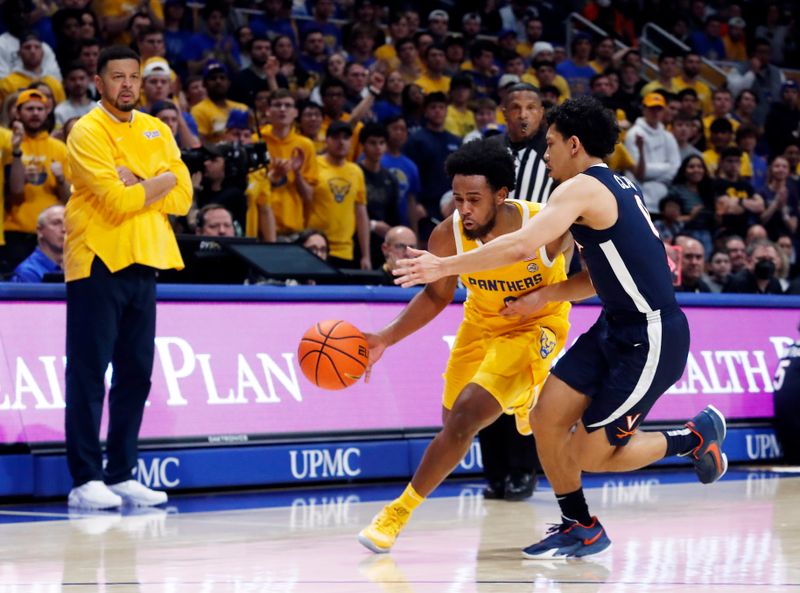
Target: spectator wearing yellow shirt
{"points": [[460, 120], [690, 79], [735, 40], [128, 178], [309, 124], [333, 92], [31, 55], [545, 75], [293, 170], [397, 29], [721, 132], [603, 55], [667, 71], [46, 180], [722, 104], [11, 159], [339, 205], [211, 114], [434, 80], [409, 65], [119, 17]]}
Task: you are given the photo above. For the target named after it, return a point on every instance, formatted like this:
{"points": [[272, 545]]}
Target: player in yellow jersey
{"points": [[501, 354]]}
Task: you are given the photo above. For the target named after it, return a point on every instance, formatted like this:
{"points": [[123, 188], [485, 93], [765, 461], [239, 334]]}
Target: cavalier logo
{"points": [[533, 268], [547, 342], [339, 188], [150, 134]]}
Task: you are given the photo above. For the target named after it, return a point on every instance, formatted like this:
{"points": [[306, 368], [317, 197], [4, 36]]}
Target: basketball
{"points": [[333, 354]]}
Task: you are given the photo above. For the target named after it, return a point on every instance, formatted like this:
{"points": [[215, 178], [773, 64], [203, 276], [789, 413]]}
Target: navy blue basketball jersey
{"points": [[627, 262]]}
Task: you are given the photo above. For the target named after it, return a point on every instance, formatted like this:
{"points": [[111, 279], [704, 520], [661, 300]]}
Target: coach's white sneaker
{"points": [[139, 495], [93, 495]]}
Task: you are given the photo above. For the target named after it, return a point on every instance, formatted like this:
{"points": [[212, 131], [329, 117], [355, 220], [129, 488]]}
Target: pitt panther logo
{"points": [[150, 134], [533, 268], [339, 188], [547, 342]]}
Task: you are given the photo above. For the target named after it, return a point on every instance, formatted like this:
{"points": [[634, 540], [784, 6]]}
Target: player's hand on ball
{"points": [[526, 305], [422, 269], [376, 347]]}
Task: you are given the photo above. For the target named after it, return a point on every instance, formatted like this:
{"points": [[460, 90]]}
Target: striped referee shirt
{"points": [[534, 183]]}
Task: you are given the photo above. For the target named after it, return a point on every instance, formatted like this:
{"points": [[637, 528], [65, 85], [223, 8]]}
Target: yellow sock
{"points": [[410, 498]]}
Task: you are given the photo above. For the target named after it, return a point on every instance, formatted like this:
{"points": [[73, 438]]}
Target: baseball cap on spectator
{"points": [[539, 47], [790, 84], [737, 21], [160, 106], [214, 66], [471, 16], [654, 100], [507, 80], [439, 14], [339, 127], [156, 67], [507, 33], [237, 120], [30, 95]]}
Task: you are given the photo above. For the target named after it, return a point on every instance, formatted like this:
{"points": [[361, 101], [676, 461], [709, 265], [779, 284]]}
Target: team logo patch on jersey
{"points": [[547, 342], [150, 134], [533, 268], [339, 188]]}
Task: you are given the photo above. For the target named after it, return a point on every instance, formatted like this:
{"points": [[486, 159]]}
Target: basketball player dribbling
{"points": [[501, 354], [598, 394]]}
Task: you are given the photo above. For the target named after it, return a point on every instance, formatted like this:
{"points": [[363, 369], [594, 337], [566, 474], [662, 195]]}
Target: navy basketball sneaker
{"points": [[570, 539], [710, 462]]}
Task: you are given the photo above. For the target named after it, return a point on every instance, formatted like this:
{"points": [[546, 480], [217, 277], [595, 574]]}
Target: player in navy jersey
{"points": [[606, 383]]}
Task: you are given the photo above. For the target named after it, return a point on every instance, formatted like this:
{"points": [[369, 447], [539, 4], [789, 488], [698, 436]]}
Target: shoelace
{"points": [[391, 518]]}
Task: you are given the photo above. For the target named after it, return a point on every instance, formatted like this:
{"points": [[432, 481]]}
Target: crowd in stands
{"points": [[360, 103]]}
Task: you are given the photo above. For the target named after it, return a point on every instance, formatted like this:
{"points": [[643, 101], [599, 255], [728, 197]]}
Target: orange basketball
{"points": [[333, 354]]}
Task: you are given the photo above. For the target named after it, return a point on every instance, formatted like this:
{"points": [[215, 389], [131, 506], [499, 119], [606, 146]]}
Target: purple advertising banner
{"points": [[225, 370]]}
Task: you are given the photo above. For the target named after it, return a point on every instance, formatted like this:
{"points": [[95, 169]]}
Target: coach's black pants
{"points": [[505, 452], [110, 318]]}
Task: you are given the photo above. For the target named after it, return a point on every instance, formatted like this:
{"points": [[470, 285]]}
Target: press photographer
{"points": [[233, 175]]}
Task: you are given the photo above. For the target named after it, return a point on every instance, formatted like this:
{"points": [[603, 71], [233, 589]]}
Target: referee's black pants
{"points": [[505, 452], [111, 318]]}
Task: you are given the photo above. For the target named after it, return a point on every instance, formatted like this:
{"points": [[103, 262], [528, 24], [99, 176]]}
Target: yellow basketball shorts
{"points": [[511, 365]]}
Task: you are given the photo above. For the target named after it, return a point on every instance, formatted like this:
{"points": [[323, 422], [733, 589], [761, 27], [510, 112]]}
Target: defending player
{"points": [[635, 351], [500, 355]]}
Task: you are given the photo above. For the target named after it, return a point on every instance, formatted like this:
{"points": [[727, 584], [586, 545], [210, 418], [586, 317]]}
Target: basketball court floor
{"points": [[669, 533]]}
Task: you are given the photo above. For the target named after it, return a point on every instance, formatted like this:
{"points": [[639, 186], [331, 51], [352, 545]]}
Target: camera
{"points": [[240, 159]]}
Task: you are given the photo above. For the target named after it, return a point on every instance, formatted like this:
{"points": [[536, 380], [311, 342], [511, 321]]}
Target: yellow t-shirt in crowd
{"points": [[16, 81], [434, 85], [5, 159], [459, 122], [107, 219], [211, 118], [702, 89], [287, 204], [333, 211], [657, 85], [259, 195], [711, 157], [112, 8], [709, 119], [41, 188], [559, 82]]}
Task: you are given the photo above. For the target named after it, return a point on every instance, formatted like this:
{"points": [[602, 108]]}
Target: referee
{"points": [[127, 177], [509, 458]]}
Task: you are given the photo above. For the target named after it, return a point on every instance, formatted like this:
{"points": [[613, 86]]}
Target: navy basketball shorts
{"points": [[624, 363]]}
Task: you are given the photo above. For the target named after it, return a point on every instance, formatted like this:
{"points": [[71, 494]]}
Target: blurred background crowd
{"points": [[359, 103]]}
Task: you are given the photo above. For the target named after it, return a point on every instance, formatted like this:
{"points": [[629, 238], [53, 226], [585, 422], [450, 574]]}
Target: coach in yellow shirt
{"points": [[339, 207], [127, 177]]}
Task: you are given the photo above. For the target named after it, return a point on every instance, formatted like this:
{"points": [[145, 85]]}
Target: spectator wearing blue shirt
{"points": [[274, 21], [429, 147], [49, 253], [215, 44], [708, 42], [576, 70], [403, 169]]}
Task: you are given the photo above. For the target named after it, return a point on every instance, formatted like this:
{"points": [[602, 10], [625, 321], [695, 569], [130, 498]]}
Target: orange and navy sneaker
{"points": [[710, 462], [570, 539]]}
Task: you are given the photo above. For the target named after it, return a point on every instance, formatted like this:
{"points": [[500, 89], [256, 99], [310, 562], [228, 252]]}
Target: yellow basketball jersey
{"points": [[489, 291]]}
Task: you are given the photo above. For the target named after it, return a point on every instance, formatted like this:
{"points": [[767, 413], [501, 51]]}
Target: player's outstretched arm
{"points": [[426, 304], [564, 208]]}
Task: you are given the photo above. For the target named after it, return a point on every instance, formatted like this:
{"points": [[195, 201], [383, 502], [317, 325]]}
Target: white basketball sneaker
{"points": [[136, 494], [93, 495]]}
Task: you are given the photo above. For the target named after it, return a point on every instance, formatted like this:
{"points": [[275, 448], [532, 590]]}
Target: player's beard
{"points": [[481, 231]]}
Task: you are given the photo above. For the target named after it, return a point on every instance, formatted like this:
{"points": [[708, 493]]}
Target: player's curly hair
{"points": [[587, 118], [483, 157]]}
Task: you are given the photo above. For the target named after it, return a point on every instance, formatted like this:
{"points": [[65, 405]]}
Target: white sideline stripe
{"points": [[35, 514]]}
